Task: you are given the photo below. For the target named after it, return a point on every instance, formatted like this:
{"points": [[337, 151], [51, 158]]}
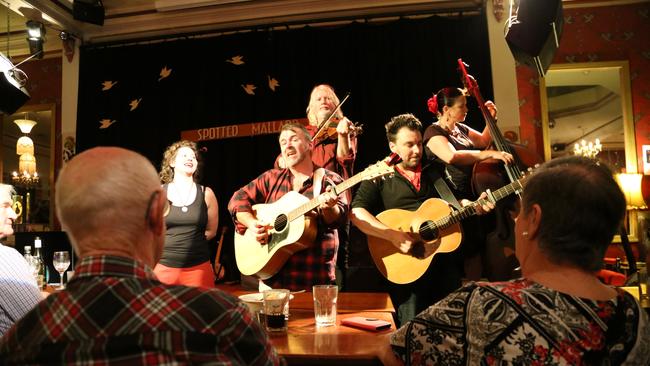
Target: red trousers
{"points": [[200, 275]]}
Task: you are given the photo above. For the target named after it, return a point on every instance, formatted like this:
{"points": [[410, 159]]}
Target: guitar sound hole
{"points": [[280, 223], [429, 232]]}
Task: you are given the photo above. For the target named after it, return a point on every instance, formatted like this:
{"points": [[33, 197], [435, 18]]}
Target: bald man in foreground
{"points": [[114, 310]]}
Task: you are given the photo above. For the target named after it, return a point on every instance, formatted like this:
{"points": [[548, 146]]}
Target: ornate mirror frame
{"points": [[627, 118], [46, 116]]}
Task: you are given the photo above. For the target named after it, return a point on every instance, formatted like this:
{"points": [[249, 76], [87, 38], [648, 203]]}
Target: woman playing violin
{"points": [[333, 150], [459, 147]]}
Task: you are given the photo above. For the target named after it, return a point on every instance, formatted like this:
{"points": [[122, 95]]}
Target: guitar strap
{"points": [[318, 181], [445, 193]]}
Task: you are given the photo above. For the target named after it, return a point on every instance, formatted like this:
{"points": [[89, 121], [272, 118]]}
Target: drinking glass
{"points": [[274, 303], [325, 304], [61, 261]]}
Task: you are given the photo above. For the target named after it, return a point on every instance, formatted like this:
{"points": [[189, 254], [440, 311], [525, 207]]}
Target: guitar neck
{"points": [[313, 203], [470, 210]]}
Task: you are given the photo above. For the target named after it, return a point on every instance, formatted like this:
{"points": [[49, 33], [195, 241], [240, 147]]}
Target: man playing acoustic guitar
{"points": [[413, 183], [316, 264]]}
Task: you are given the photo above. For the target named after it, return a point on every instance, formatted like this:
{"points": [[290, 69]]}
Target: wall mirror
{"points": [[589, 101], [37, 214]]}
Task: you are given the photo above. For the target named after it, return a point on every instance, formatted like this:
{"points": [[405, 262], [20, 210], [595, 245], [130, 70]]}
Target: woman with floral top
{"points": [[558, 313]]}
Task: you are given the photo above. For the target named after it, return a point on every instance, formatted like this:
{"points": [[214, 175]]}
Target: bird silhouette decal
{"points": [[106, 123], [108, 84], [134, 103], [272, 83], [164, 73], [249, 89], [236, 60]]}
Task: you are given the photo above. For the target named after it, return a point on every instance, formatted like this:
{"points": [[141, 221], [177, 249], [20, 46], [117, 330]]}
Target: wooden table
{"points": [[306, 344]]}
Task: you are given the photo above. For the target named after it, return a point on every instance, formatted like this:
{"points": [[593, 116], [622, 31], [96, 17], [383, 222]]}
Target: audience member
{"points": [[19, 292], [114, 310], [558, 313]]}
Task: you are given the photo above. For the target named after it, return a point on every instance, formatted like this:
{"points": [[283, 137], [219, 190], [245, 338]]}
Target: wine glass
{"points": [[61, 261]]}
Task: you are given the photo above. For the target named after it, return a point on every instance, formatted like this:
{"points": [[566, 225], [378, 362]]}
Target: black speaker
{"points": [[534, 36], [89, 11], [12, 95]]}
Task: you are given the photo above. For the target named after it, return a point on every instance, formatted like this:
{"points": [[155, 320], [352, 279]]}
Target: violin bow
{"points": [[324, 123]]}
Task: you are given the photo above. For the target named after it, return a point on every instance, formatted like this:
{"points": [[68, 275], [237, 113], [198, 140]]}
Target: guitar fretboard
{"points": [[342, 187], [470, 210]]}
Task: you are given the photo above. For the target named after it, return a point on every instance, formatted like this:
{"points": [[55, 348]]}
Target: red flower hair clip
{"points": [[432, 103]]}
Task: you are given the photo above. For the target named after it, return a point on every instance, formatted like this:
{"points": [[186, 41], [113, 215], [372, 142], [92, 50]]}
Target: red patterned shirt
{"points": [[521, 322], [114, 311], [313, 266]]}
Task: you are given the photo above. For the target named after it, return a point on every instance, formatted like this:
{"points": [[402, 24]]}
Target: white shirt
{"points": [[19, 292]]}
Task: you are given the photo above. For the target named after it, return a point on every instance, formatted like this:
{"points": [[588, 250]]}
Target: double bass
{"points": [[500, 261]]}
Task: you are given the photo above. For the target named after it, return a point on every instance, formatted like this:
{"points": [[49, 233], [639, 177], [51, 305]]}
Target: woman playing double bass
{"points": [[459, 147]]}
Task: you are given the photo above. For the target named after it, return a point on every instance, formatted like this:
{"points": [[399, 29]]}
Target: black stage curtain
{"points": [[388, 68]]}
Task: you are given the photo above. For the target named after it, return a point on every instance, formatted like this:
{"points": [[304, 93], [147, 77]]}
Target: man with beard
{"points": [[315, 265], [413, 183]]}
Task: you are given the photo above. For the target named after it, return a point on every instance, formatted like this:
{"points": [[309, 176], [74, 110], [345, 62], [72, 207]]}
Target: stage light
{"points": [[36, 31]]}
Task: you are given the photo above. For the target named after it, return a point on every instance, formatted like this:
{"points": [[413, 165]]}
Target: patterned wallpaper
{"points": [[593, 34]]}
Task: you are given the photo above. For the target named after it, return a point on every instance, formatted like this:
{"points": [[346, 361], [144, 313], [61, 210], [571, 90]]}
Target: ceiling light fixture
{"points": [[36, 32], [25, 125]]}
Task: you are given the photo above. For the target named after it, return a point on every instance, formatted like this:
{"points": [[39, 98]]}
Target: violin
{"points": [[329, 131], [327, 128]]}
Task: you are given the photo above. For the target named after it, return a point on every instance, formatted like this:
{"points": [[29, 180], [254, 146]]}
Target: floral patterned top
{"points": [[521, 322]]}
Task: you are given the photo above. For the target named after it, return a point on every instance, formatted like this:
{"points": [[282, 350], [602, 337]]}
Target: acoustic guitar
{"points": [[436, 224], [294, 228]]}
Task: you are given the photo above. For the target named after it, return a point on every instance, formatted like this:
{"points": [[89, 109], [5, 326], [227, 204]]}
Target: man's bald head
{"points": [[103, 197]]}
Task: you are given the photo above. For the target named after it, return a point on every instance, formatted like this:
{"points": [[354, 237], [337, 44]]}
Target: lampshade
{"points": [[25, 125], [631, 185], [27, 163], [35, 30], [24, 145]]}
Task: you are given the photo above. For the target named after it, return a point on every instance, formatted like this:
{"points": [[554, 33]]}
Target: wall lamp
{"points": [[36, 32]]}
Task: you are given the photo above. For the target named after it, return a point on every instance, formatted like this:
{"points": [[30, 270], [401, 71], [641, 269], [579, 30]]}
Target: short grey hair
{"points": [[8, 190]]}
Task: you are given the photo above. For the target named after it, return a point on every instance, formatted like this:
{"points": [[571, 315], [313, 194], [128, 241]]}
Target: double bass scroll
{"points": [[487, 174]]}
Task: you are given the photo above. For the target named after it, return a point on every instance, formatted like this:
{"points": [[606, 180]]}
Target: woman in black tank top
{"points": [[192, 220], [459, 147]]}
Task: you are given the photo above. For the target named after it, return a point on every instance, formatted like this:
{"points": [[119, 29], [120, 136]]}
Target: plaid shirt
{"points": [[19, 292], [305, 268], [114, 311]]}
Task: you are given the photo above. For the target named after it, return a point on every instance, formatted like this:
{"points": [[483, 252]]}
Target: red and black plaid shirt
{"points": [[309, 267], [114, 311]]}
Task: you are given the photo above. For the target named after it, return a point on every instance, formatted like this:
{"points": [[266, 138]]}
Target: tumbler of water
{"points": [[325, 304]]}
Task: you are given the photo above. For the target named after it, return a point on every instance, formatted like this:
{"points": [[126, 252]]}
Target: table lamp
{"points": [[631, 185]]}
